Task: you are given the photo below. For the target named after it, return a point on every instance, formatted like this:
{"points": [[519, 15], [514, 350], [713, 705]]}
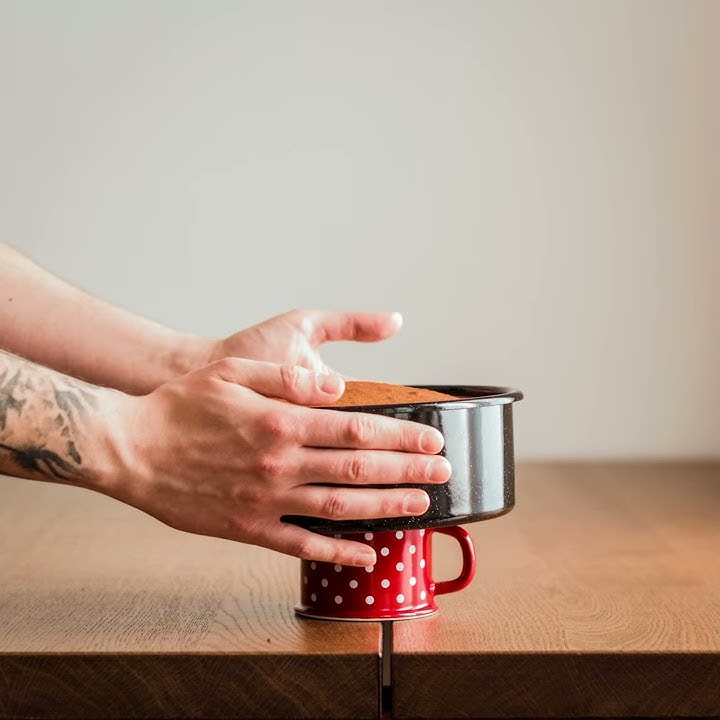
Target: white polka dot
{"points": [[369, 568], [385, 583], [305, 580], [400, 598], [353, 584], [413, 582], [313, 597], [368, 536], [399, 534], [324, 582], [400, 567], [369, 599], [422, 563], [312, 565], [422, 532], [385, 552], [338, 568], [412, 549], [423, 595], [338, 599]]}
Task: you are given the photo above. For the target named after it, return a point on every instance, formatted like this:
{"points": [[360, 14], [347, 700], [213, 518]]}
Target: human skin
{"points": [[210, 450], [47, 320]]}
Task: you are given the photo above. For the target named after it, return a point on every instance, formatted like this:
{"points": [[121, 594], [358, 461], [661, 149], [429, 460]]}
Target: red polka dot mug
{"points": [[399, 586]]}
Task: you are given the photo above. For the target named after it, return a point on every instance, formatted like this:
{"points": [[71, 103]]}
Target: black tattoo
{"points": [[71, 404], [73, 453], [8, 401], [42, 415], [41, 461]]}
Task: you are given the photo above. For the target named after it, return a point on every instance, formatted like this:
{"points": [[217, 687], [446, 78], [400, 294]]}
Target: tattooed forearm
{"points": [[43, 417]]}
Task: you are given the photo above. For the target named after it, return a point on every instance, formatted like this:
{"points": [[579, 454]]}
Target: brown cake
{"points": [[376, 393]]}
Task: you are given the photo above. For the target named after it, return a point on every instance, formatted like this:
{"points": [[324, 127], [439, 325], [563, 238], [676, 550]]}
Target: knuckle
{"points": [[360, 429], [356, 468], [271, 465], [291, 377], [348, 327], [306, 549], [416, 472], [335, 505], [337, 555], [410, 436], [391, 505], [278, 424], [305, 321]]}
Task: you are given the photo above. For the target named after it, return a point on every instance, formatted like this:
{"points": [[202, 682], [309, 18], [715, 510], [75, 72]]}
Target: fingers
{"points": [[338, 429], [355, 503], [369, 467], [358, 326], [293, 540], [288, 382]]}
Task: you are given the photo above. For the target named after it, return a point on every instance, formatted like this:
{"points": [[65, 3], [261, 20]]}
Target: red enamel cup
{"points": [[399, 586]]}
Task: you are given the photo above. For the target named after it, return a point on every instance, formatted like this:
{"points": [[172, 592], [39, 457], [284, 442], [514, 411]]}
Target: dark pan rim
{"points": [[471, 396], [357, 527]]}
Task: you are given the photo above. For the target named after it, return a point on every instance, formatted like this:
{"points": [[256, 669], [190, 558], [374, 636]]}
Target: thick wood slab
{"points": [[105, 612], [598, 596]]}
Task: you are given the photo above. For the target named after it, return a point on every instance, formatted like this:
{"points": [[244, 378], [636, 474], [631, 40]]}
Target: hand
{"points": [[294, 337], [212, 453]]}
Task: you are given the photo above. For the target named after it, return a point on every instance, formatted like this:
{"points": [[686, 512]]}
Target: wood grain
{"points": [[598, 596], [105, 612]]}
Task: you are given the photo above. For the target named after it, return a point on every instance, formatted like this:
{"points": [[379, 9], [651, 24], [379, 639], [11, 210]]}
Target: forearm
{"points": [[50, 322], [54, 427]]}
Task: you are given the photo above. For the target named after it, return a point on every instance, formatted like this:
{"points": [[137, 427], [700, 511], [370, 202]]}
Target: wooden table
{"points": [[106, 613], [599, 595]]}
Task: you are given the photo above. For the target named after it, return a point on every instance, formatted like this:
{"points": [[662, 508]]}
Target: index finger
{"points": [[358, 326], [338, 429]]}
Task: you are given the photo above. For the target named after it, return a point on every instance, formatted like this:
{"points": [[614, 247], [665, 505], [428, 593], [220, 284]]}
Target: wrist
{"points": [[168, 355], [111, 462], [189, 352]]}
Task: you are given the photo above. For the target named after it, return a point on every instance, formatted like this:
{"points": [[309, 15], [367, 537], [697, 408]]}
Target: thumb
{"points": [[316, 364], [287, 382]]}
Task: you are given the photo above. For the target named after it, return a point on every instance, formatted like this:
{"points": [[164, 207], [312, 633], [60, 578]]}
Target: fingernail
{"points": [[330, 384], [365, 559], [416, 504], [431, 441], [397, 319], [438, 470]]}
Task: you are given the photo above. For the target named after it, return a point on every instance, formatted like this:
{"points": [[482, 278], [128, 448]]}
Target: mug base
{"points": [[411, 615]]}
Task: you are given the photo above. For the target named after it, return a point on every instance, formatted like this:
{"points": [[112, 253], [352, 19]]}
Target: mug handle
{"points": [[468, 556]]}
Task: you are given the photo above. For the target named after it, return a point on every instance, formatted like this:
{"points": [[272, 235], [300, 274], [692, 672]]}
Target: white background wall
{"points": [[535, 185]]}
